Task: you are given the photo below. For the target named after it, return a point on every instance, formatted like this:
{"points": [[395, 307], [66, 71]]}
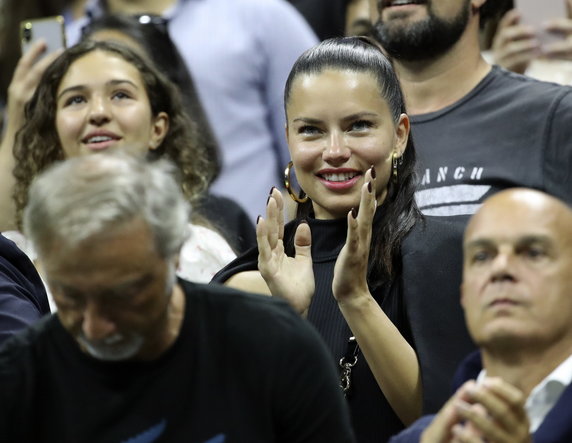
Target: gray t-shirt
{"points": [[510, 130]]}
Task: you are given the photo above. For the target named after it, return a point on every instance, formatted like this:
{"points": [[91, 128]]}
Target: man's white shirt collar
{"points": [[545, 394]]}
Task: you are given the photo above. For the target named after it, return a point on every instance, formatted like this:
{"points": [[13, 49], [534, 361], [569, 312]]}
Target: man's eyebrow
{"points": [[535, 238], [478, 243]]}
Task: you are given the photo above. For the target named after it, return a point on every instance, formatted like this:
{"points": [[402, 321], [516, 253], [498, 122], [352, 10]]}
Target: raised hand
{"points": [[441, 429], [26, 77], [350, 272], [24, 82], [561, 49], [291, 278], [515, 45]]}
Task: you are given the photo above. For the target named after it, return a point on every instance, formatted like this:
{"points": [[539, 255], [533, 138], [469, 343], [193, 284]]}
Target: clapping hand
{"points": [[291, 278], [350, 272], [492, 411]]}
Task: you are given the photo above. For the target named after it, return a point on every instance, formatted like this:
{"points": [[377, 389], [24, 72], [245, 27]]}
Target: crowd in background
{"points": [[353, 159]]}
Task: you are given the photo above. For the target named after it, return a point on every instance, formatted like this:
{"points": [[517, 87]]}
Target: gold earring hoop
{"points": [[396, 160], [303, 198]]}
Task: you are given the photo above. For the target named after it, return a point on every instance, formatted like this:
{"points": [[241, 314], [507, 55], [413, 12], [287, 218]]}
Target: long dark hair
{"points": [[399, 211], [38, 145]]}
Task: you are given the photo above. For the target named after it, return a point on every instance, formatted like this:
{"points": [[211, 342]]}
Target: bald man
{"points": [[517, 298]]}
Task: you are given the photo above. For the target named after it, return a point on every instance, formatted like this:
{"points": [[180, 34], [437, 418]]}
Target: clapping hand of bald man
{"points": [[491, 411]]}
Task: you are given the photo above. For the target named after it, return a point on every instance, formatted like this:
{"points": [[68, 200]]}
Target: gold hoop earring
{"points": [[303, 198]]}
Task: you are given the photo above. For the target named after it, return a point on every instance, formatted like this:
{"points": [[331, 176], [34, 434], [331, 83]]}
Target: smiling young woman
{"points": [[359, 253], [99, 97]]}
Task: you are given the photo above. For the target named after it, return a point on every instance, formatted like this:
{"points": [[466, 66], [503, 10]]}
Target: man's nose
{"points": [[502, 266], [96, 325]]}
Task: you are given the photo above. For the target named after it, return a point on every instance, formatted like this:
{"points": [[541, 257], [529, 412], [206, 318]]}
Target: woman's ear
{"points": [[402, 133], [159, 129]]}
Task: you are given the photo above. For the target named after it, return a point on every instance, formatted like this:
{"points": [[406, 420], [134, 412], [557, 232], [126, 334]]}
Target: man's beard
{"points": [[421, 40], [125, 346], [118, 347]]}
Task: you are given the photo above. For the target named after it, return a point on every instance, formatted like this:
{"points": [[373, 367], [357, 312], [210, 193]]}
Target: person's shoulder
{"points": [[412, 434], [244, 314], [18, 350], [468, 369], [19, 278], [226, 298], [532, 89], [435, 230]]}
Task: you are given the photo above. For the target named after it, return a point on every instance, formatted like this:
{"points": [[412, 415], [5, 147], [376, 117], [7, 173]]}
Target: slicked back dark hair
{"points": [[399, 211]]}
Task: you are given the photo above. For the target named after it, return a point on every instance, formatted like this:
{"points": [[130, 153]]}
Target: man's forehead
{"points": [[520, 213]]}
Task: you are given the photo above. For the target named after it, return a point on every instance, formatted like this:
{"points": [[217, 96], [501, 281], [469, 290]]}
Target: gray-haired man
{"points": [[135, 355]]}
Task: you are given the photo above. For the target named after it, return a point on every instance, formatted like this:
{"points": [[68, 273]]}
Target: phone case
{"points": [[51, 29]]}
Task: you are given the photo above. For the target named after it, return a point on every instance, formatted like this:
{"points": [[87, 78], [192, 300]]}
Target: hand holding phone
{"points": [[25, 79], [539, 14]]}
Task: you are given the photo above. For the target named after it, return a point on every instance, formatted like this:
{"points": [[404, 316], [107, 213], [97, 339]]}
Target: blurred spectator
{"points": [[515, 46], [478, 128], [326, 17], [23, 299], [358, 21]]}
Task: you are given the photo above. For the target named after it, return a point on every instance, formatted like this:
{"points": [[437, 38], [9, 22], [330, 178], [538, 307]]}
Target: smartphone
{"points": [[51, 29], [537, 12]]}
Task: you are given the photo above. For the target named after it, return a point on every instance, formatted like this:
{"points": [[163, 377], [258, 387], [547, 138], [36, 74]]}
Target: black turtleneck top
{"points": [[422, 300]]}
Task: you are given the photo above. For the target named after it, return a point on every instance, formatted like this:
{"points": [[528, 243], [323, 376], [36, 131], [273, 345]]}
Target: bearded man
{"points": [[478, 128]]}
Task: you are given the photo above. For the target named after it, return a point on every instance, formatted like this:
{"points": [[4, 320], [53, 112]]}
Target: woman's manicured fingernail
{"points": [[272, 190], [369, 188], [354, 213], [372, 171], [257, 219]]}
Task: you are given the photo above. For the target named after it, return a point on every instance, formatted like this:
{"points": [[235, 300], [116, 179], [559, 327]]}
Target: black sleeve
{"points": [[17, 382], [432, 271], [23, 299], [246, 262]]}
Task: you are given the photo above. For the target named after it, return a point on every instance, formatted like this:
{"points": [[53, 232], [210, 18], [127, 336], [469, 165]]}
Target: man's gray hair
{"points": [[85, 196]]}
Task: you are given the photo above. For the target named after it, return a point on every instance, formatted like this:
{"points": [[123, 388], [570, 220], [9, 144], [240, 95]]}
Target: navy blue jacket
{"points": [[23, 299], [556, 427]]}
